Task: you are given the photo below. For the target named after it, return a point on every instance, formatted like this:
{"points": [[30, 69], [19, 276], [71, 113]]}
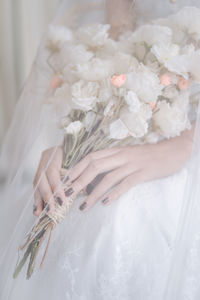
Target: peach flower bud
{"points": [[118, 80], [183, 83], [153, 105], [56, 82], [165, 79]]}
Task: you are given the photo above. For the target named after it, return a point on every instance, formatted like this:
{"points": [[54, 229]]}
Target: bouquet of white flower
{"points": [[110, 92]]}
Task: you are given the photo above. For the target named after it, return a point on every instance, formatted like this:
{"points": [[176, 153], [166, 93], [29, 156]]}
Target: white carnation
{"points": [[93, 35], [169, 55], [187, 19], [118, 130], [75, 54], [152, 34], [74, 128], [124, 63], [136, 123], [133, 101], [57, 35], [84, 94], [94, 70], [171, 119], [145, 83]]}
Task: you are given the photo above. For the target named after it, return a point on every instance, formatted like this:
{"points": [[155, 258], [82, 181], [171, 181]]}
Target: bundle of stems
{"points": [[75, 147]]}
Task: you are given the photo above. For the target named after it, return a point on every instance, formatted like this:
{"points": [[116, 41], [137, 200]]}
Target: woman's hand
{"points": [[127, 167], [48, 181]]}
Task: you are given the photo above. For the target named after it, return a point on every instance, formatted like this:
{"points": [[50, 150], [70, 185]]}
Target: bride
{"points": [[123, 236]]}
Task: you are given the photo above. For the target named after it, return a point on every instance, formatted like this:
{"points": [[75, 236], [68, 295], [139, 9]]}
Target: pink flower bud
{"points": [[56, 82], [118, 80], [153, 105], [183, 83], [165, 79]]}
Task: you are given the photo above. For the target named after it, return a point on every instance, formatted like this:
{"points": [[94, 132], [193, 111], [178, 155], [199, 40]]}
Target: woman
{"points": [[117, 240]]}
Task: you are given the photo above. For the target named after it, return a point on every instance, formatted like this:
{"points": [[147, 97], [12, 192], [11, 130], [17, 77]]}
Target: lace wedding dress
{"points": [[119, 252]]}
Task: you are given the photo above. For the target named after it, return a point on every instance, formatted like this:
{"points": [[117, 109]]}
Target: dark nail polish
{"points": [[89, 188], [34, 208], [69, 192], [59, 200], [83, 206], [48, 207], [106, 200], [66, 179]]}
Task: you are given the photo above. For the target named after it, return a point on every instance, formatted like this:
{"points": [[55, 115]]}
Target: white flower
{"points": [[124, 63], [188, 19], [57, 35], [60, 101], [133, 101], [152, 34], [75, 54], [171, 119], [145, 83], [84, 94], [140, 51], [110, 46], [94, 70], [118, 130], [169, 55], [136, 123], [74, 128], [94, 35]]}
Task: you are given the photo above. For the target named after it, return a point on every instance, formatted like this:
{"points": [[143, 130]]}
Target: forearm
{"points": [[188, 137]]}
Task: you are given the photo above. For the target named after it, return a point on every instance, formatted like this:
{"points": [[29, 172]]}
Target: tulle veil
{"points": [[35, 127]]}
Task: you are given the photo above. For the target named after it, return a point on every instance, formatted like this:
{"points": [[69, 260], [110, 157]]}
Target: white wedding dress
{"points": [[119, 252]]}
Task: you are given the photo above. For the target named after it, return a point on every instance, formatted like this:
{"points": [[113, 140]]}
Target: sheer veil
{"points": [[36, 127]]}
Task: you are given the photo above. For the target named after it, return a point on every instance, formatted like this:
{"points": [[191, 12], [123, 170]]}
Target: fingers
{"points": [[129, 182], [90, 158], [38, 203], [46, 193], [47, 181], [53, 176], [110, 180], [94, 168]]}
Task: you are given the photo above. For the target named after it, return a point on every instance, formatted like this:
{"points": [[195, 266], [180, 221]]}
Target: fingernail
{"points": [[59, 200], [69, 192], [83, 206], [89, 188], [106, 200], [66, 179], [48, 207], [34, 208]]}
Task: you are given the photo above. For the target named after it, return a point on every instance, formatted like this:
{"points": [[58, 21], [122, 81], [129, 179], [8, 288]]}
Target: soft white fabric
{"points": [[110, 253]]}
